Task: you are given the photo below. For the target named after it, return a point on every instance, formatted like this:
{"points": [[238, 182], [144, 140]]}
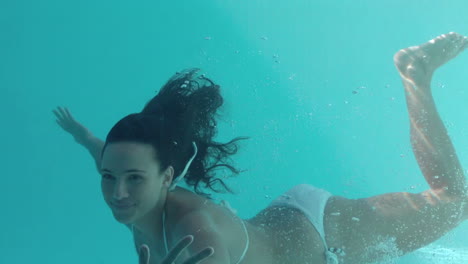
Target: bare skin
{"points": [[429, 138], [410, 221], [145, 256], [369, 229], [80, 133]]}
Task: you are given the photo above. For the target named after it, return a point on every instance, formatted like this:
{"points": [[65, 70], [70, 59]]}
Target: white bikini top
{"points": [[224, 203]]}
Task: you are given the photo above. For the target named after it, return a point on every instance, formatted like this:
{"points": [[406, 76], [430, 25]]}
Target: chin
{"points": [[123, 220]]}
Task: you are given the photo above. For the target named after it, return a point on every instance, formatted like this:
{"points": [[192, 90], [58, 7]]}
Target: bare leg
{"points": [[431, 145]]}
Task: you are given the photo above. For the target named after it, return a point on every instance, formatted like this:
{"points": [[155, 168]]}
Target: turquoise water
{"points": [[287, 69]]}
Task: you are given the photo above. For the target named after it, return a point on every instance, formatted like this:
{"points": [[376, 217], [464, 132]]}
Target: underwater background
{"points": [[311, 82]]}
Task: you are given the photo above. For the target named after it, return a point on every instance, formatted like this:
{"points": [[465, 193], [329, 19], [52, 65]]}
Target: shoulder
{"points": [[195, 221], [206, 232], [182, 204], [190, 212]]}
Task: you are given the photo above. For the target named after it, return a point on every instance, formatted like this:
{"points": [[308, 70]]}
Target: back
{"points": [[182, 202]]}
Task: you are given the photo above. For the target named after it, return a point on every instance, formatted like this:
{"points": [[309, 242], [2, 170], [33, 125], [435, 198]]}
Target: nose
{"points": [[120, 191]]}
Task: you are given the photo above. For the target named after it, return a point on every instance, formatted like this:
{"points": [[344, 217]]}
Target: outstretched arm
{"points": [[81, 134], [393, 224], [94, 145]]}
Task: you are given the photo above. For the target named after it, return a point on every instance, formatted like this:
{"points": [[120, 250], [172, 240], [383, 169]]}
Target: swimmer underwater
{"points": [[145, 154]]}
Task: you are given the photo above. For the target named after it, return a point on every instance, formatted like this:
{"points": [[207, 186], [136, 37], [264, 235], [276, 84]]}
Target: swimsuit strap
{"points": [[164, 230], [167, 248], [234, 212], [246, 243], [184, 172]]}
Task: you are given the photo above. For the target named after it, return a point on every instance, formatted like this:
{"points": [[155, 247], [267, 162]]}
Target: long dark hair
{"points": [[184, 111]]}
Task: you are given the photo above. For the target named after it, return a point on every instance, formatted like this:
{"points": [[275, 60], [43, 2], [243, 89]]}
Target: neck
{"points": [[150, 225]]}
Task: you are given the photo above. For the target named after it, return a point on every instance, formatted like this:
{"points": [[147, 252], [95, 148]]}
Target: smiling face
{"points": [[132, 181]]}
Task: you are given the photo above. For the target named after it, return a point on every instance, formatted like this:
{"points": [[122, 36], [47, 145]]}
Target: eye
{"points": [[107, 177], [136, 177]]}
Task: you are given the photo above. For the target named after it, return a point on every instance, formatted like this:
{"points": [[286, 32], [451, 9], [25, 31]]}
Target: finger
{"points": [[62, 112], [144, 254], [57, 113], [205, 253], [178, 248], [68, 114]]}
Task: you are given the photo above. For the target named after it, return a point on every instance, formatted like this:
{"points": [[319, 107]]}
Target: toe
{"points": [[465, 43]]}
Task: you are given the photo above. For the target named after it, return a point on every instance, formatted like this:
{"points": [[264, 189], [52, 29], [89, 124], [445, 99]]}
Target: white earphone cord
{"points": [[182, 175]]}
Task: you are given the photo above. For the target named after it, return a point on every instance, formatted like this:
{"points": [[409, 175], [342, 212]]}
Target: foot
{"points": [[417, 64]]}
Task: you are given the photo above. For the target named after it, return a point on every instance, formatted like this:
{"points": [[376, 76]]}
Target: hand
{"points": [[69, 124], [144, 253]]}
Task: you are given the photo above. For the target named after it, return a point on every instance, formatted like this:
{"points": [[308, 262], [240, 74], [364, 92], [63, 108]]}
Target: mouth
{"points": [[122, 206]]}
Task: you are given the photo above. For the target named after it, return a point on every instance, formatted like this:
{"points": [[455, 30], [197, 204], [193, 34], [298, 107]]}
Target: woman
{"points": [[146, 154]]}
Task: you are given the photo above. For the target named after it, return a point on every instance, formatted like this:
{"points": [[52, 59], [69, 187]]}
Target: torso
{"points": [[277, 234]]}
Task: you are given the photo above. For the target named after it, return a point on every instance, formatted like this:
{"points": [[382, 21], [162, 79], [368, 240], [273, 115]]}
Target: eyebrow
{"points": [[130, 170]]}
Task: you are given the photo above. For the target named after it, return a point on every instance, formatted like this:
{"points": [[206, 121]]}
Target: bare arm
{"points": [[95, 145], [81, 134]]}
